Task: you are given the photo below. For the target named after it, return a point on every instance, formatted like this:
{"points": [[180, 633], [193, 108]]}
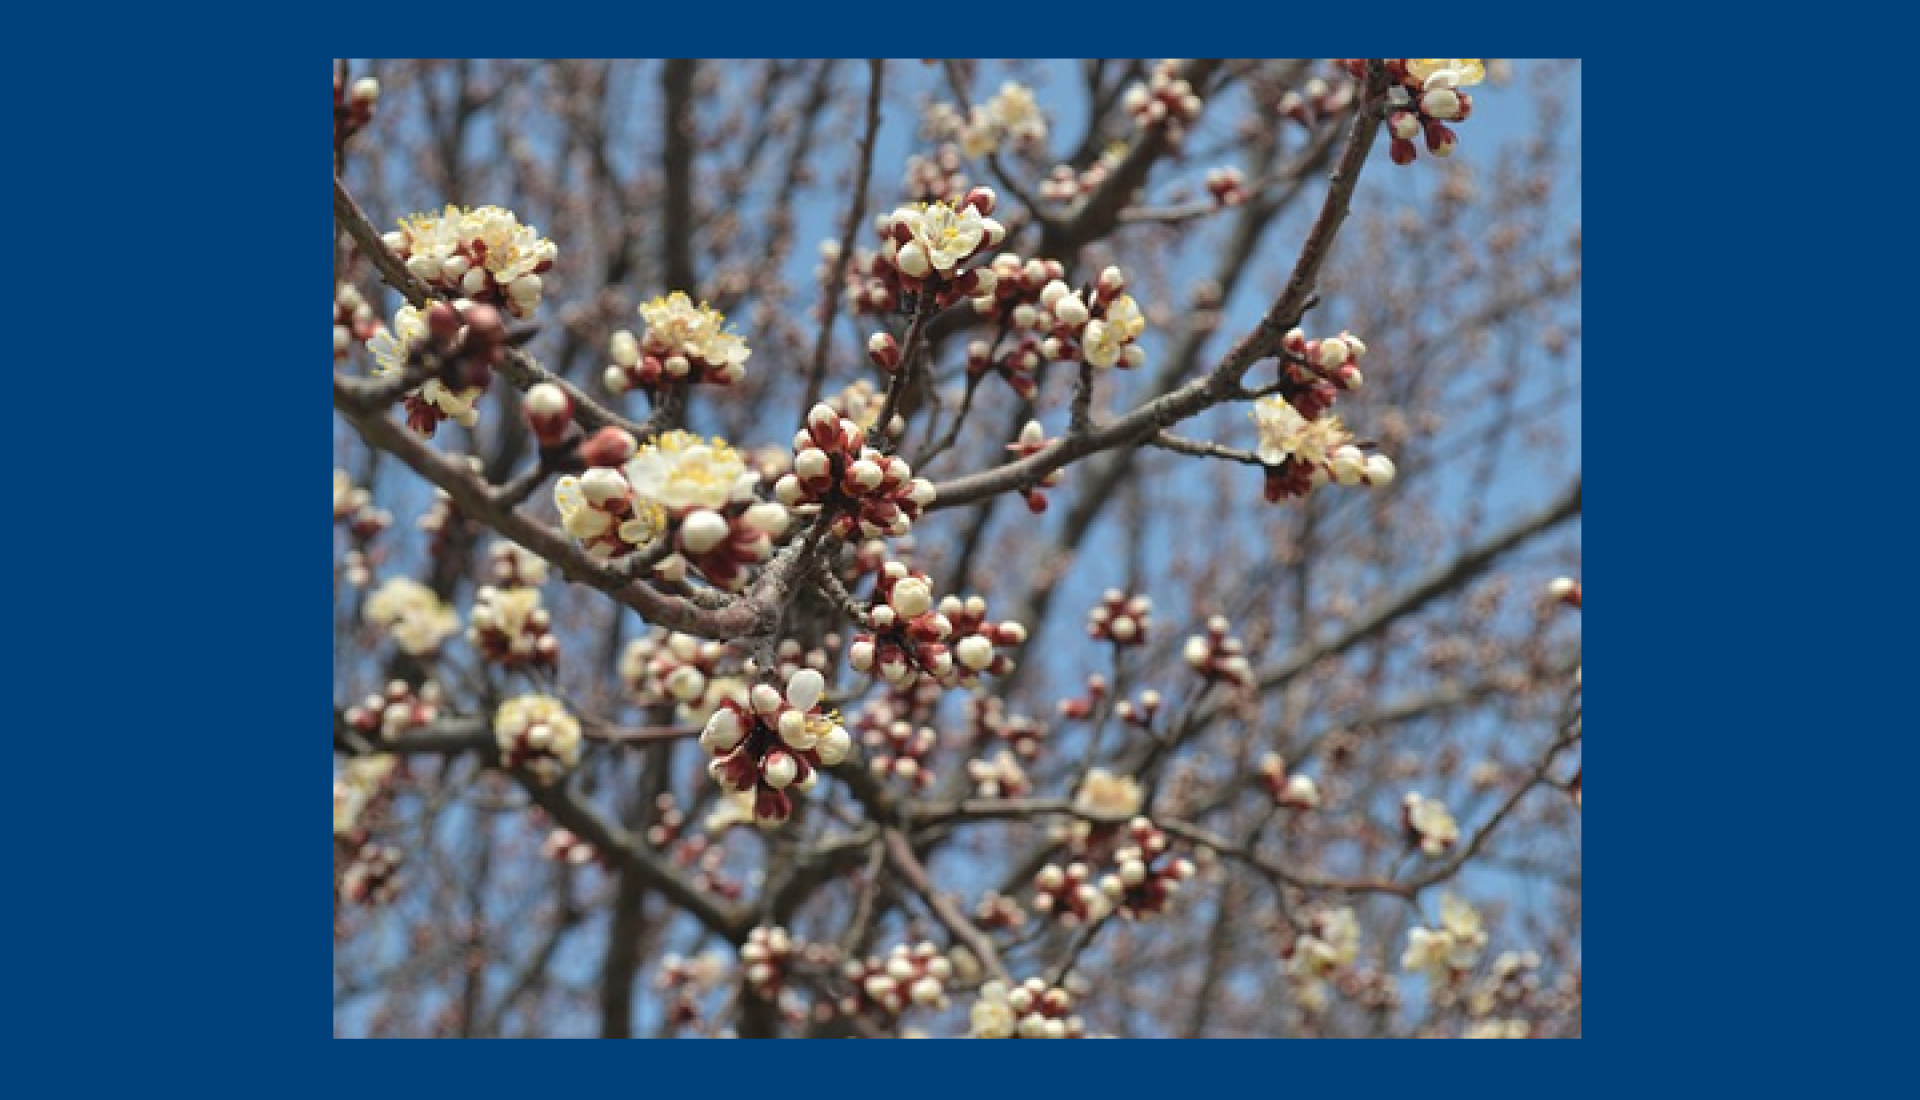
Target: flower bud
{"points": [[703, 530]]}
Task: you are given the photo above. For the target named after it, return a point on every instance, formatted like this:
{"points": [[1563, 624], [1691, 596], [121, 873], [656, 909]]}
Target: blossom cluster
{"points": [[923, 254], [1143, 879], [1428, 823], [353, 508], [987, 714], [372, 876], [1450, 950], [698, 854], [874, 494], [562, 846], [458, 345], [482, 254], [1328, 944], [1227, 185], [535, 733], [1064, 184], [1030, 1010], [1010, 118], [510, 628], [1032, 440], [1301, 444], [1316, 102], [1100, 325], [897, 747], [774, 741], [386, 715], [354, 321], [952, 644], [1426, 95], [685, 981], [1218, 656], [412, 615], [1000, 777], [908, 976], [514, 566], [666, 666], [1165, 100], [681, 343], [700, 493], [359, 787], [1121, 619]]}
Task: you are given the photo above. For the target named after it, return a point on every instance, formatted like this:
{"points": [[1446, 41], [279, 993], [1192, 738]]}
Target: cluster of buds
{"points": [[1302, 445], [1145, 875], [1120, 619], [766, 955], [510, 628], [562, 846], [1565, 590], [387, 715], [686, 981], [989, 718], [1218, 656], [698, 493], [936, 176], [1000, 777], [927, 246], [996, 910], [1316, 101], [354, 321], [682, 343], [1227, 185], [908, 976], [1079, 708], [1296, 792], [773, 742], [483, 254], [694, 853], [666, 666], [1165, 100], [1064, 184], [412, 615], [898, 748], [876, 494], [1446, 953], [1030, 1010], [1428, 824], [514, 566], [1099, 324], [535, 733], [910, 638], [352, 107], [372, 876], [1426, 95], [1141, 710], [353, 508], [454, 347], [1033, 439]]}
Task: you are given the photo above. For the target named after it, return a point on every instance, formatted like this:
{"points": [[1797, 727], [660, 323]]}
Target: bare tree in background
{"points": [[944, 547]]}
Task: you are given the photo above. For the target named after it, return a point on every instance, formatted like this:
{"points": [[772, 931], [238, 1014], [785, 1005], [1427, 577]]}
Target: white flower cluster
{"points": [[930, 241], [363, 780], [483, 254], [1030, 1010], [1011, 117], [1065, 324], [1329, 944], [535, 732], [515, 566], [682, 342], [1000, 777], [1428, 823], [354, 321], [1452, 948], [510, 628], [412, 615], [391, 348], [666, 665], [1104, 794]]}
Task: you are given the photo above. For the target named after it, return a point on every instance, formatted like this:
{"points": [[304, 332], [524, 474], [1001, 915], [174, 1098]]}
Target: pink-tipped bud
{"points": [[884, 350], [610, 446]]}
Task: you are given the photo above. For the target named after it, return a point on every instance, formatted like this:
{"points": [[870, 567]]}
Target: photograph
{"points": [[957, 548]]}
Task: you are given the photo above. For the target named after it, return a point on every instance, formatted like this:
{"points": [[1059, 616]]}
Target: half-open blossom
{"points": [[535, 732], [412, 615]]}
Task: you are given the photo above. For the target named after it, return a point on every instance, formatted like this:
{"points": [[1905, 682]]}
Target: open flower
{"points": [[412, 615], [1429, 823], [1285, 434], [680, 471], [1107, 795], [484, 254], [1454, 72]]}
